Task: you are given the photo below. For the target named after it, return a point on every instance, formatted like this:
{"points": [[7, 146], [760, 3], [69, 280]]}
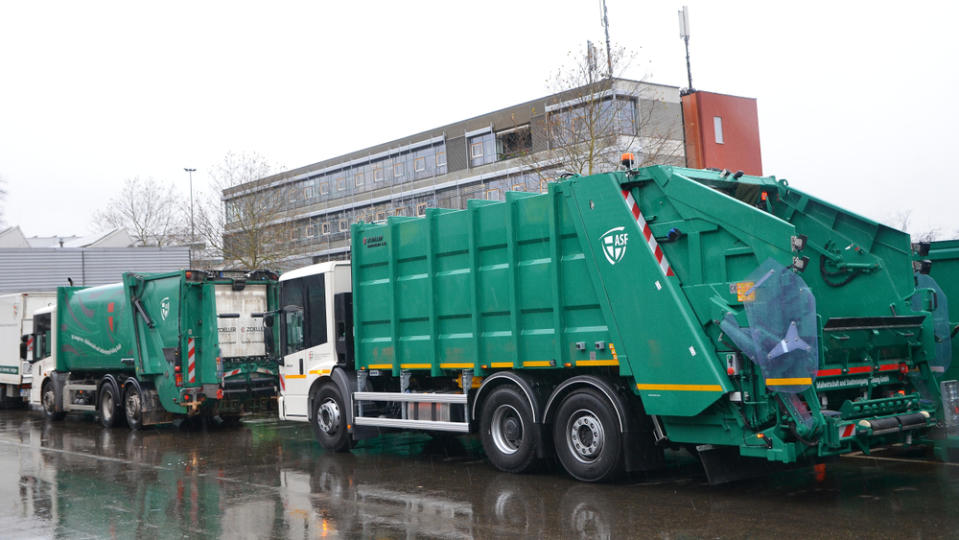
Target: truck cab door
{"points": [[306, 347]]}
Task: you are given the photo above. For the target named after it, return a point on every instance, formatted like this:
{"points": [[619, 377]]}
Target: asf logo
{"points": [[614, 244], [165, 307]]}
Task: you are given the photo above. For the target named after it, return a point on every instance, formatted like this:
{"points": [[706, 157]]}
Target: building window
{"points": [[397, 170], [381, 216], [519, 187], [399, 211], [358, 178], [340, 183], [492, 194], [324, 187], [419, 164], [344, 225], [326, 227], [476, 149], [308, 231], [377, 173], [718, 129], [421, 209], [307, 193], [441, 158], [544, 184], [513, 143]]}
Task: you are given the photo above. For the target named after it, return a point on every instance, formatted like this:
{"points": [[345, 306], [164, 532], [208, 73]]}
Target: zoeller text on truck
{"points": [[615, 316]]}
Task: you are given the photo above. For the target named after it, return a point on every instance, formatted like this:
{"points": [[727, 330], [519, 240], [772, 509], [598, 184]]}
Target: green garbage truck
{"points": [[616, 316], [158, 346]]}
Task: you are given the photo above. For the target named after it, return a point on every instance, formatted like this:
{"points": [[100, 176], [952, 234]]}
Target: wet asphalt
{"points": [[269, 479]]}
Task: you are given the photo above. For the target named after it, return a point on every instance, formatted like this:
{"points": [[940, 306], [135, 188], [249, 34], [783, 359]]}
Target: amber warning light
{"points": [[627, 159]]}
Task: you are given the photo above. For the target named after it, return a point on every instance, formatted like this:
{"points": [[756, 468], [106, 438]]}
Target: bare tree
{"points": [[901, 220], [151, 211], [242, 220], [589, 123]]}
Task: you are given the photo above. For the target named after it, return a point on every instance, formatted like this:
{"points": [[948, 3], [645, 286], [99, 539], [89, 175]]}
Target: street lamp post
{"points": [[192, 227]]}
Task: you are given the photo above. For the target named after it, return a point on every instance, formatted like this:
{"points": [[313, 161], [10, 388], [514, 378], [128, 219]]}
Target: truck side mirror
{"points": [[268, 320]]}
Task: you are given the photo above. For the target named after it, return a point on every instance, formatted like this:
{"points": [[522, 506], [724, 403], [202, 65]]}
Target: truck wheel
{"points": [[110, 405], [48, 398], [133, 405], [506, 430], [587, 438], [329, 419]]}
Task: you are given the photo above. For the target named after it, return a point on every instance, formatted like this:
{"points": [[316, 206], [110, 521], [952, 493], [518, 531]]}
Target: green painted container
{"points": [[944, 256], [95, 329]]}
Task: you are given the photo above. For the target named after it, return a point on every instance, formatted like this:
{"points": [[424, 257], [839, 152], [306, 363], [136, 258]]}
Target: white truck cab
{"points": [[16, 321], [44, 359], [315, 319]]}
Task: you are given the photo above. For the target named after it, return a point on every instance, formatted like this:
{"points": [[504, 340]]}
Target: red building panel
{"points": [[722, 132]]}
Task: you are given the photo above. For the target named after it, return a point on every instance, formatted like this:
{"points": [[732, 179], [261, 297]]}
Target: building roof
{"points": [[13, 238]]}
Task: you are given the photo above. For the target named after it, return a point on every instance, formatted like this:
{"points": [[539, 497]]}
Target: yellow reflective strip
{"points": [[538, 363], [501, 364], [681, 387], [296, 376], [612, 362], [788, 382], [456, 366], [416, 366], [380, 366], [319, 372]]}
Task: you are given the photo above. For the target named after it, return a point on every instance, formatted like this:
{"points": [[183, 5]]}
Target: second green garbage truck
{"points": [[156, 347], [615, 316]]}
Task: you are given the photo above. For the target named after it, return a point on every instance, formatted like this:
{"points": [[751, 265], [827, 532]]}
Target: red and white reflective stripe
{"points": [[647, 233], [847, 431], [232, 373], [190, 360]]}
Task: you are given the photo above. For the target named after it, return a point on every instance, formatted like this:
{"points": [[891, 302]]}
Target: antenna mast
{"points": [[684, 34], [609, 55]]}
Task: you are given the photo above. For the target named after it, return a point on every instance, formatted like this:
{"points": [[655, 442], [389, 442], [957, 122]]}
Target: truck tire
{"points": [[507, 431], [587, 437], [133, 405], [48, 399], [329, 419], [109, 405]]}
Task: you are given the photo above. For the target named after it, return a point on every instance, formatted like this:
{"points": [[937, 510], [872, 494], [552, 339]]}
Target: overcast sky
{"points": [[856, 99]]}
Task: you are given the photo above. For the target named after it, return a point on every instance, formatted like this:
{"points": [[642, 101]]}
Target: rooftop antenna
{"points": [[609, 55], [684, 34]]}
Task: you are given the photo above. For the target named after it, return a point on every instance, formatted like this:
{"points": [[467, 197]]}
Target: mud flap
{"points": [[153, 411], [723, 464]]}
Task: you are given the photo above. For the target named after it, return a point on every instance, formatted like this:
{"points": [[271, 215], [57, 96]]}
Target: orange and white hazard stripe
{"points": [[191, 360], [647, 233]]}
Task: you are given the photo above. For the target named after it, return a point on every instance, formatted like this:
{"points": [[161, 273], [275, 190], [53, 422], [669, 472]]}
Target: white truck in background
{"points": [[16, 320]]}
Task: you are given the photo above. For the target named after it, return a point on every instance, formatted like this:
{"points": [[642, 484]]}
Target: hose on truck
{"points": [[826, 275]]}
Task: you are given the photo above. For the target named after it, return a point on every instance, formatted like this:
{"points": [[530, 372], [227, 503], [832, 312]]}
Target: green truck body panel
{"points": [[944, 255], [146, 326], [642, 276], [96, 329]]}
